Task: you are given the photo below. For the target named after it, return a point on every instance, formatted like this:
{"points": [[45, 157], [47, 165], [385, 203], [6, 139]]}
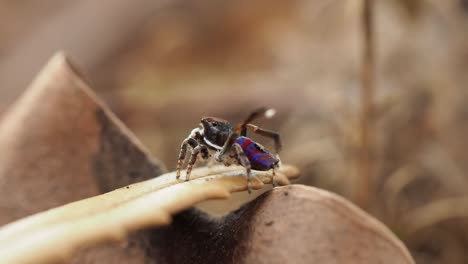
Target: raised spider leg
{"points": [[266, 133], [254, 115], [183, 150], [242, 127], [244, 161]]}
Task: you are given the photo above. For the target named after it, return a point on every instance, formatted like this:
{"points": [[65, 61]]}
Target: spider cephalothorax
{"points": [[215, 131], [231, 144]]}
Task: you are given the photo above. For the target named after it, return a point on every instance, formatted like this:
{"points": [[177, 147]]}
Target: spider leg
{"points": [[254, 115], [226, 147], [193, 159], [244, 161], [205, 154], [183, 150], [180, 162], [273, 181], [266, 133], [204, 151]]}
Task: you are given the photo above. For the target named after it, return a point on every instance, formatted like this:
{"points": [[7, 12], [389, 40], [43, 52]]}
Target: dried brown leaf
{"points": [[55, 234]]}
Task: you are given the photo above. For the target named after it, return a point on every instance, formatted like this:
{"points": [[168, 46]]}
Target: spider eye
{"points": [[215, 124]]}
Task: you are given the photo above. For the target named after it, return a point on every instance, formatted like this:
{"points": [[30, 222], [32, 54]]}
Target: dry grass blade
{"points": [[436, 212], [55, 234], [367, 115]]}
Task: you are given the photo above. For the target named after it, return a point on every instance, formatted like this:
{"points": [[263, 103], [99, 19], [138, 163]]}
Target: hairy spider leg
{"points": [[193, 158], [205, 153], [180, 162], [242, 128], [192, 140], [273, 181], [183, 150], [254, 115], [226, 147], [266, 133], [244, 161]]}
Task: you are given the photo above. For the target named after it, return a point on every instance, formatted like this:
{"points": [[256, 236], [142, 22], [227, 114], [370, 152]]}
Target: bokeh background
{"points": [[161, 65]]}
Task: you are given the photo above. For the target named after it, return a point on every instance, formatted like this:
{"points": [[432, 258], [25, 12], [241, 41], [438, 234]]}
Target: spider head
{"points": [[216, 130]]}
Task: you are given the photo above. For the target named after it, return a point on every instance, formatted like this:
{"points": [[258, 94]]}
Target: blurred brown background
{"points": [[161, 65]]}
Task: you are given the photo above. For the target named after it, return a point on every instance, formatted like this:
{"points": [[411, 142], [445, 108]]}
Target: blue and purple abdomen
{"points": [[258, 157]]}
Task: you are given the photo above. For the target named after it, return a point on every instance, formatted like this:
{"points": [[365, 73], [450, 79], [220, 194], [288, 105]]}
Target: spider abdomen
{"points": [[259, 158]]}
